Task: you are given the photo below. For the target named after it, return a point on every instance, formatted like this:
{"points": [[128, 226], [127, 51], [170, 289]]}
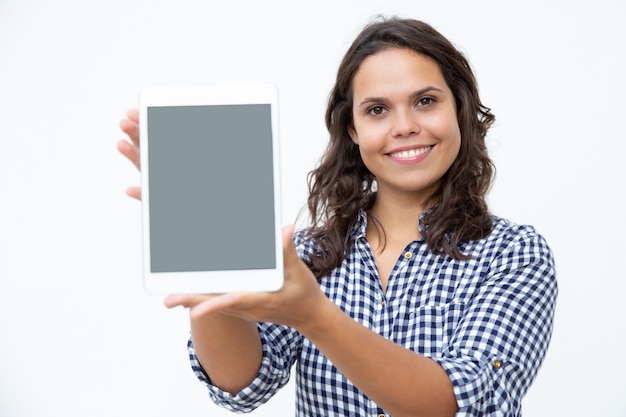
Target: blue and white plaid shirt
{"points": [[487, 321]]}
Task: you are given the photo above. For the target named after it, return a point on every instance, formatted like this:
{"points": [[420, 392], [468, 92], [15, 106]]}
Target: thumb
{"points": [[289, 249]]}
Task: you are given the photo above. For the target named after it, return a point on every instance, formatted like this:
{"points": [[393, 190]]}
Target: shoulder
{"points": [[513, 245], [510, 243], [305, 244], [506, 233], [310, 241]]}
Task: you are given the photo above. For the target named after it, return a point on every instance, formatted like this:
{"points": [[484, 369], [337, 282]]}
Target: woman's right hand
{"points": [[130, 149]]}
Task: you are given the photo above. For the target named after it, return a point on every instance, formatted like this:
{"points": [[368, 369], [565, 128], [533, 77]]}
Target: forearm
{"points": [[228, 348], [397, 379]]}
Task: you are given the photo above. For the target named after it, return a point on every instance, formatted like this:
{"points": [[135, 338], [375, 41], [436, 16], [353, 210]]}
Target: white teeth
{"points": [[411, 153]]}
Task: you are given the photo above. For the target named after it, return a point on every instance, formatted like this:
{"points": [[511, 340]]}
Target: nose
{"points": [[405, 123]]}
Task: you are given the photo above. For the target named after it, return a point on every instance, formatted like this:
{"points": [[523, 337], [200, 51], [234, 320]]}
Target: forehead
{"points": [[395, 69]]}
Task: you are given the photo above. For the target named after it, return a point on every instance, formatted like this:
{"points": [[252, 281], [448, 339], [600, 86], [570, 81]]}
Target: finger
{"points": [[239, 304], [134, 192], [129, 151], [215, 303], [288, 233], [172, 301], [131, 128], [289, 250], [206, 306], [183, 300], [133, 114]]}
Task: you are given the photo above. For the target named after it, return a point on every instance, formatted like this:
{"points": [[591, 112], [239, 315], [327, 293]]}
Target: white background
{"points": [[79, 337]]}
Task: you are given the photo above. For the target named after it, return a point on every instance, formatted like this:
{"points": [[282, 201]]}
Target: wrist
{"points": [[324, 319]]}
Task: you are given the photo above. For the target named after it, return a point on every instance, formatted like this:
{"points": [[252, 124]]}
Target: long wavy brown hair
{"points": [[341, 185]]}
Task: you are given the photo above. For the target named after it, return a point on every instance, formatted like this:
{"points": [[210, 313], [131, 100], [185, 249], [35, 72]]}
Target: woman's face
{"points": [[405, 121]]}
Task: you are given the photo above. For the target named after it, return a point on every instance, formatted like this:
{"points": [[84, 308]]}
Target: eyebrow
{"points": [[413, 96]]}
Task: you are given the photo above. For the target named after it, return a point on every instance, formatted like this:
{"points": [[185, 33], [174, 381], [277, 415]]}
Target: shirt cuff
{"points": [[267, 382], [480, 385]]}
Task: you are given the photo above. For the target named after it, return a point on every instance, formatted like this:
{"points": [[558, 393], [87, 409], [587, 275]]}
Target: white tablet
{"points": [[210, 189]]}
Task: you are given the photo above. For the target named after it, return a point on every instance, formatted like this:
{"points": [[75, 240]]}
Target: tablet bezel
{"points": [[209, 282]]}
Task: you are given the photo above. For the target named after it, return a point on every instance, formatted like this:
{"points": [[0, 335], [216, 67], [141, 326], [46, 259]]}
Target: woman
{"points": [[405, 297]]}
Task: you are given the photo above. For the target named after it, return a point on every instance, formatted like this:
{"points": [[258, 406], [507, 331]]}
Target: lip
{"points": [[410, 154]]}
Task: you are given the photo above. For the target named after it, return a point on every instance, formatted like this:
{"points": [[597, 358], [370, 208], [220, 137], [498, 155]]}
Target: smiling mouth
{"points": [[411, 153]]}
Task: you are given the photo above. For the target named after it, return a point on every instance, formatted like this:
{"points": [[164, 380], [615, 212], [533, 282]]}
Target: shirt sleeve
{"points": [[280, 345], [503, 333]]}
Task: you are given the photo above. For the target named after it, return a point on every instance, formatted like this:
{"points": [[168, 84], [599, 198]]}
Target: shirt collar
{"points": [[359, 228]]}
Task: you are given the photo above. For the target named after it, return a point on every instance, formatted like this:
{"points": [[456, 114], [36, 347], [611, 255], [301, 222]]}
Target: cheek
{"points": [[368, 151], [368, 137], [448, 131], [445, 129], [455, 145], [456, 139]]}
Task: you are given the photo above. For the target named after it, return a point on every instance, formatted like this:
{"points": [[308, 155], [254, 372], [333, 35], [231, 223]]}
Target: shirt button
{"points": [[382, 302], [408, 255], [382, 415], [497, 364]]}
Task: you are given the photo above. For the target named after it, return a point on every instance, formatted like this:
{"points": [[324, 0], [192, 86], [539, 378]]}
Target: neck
{"points": [[399, 207], [398, 216]]}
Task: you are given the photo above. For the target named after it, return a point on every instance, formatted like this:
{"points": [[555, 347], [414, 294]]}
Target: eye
{"points": [[376, 110], [425, 101]]}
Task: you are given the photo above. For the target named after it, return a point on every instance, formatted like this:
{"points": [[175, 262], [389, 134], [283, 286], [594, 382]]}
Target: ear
{"points": [[353, 135]]}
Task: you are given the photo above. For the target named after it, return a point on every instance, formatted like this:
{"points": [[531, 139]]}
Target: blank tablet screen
{"points": [[211, 188]]}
